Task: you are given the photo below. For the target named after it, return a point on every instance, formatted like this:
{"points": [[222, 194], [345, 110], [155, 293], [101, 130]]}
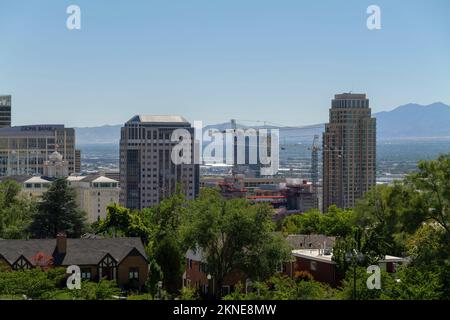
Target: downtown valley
{"points": [[234, 212]]}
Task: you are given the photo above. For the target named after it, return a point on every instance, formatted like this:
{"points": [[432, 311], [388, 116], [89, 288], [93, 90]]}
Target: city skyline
{"points": [[213, 63]]}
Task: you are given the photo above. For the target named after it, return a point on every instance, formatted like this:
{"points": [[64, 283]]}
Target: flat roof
{"points": [[313, 254], [164, 119]]}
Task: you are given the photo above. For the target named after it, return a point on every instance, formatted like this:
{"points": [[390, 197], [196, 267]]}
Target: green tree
{"points": [[58, 212], [233, 235], [336, 222], [281, 287], [15, 211], [393, 212], [121, 221], [166, 243], [432, 183], [413, 283]]}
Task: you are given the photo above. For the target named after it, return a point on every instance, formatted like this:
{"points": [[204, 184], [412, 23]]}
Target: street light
{"points": [[354, 257], [160, 284], [210, 283]]}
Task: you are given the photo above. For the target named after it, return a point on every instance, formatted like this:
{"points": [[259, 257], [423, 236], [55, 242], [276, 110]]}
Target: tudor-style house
{"points": [[120, 259]]}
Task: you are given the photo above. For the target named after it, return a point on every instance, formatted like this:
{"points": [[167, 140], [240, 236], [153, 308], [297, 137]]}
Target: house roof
{"points": [[37, 179], [86, 251]]}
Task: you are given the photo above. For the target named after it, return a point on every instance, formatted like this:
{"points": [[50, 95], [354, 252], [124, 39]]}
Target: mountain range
{"points": [[411, 121]]}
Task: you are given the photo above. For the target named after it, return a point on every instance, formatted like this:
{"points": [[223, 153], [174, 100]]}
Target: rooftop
{"points": [[79, 251], [155, 119], [313, 254], [318, 255]]}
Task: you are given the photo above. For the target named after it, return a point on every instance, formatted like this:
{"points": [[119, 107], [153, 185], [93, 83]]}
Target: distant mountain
{"points": [[410, 121], [98, 135], [414, 121]]}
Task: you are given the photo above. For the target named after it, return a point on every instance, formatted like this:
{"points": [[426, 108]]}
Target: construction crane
{"points": [[315, 162]]}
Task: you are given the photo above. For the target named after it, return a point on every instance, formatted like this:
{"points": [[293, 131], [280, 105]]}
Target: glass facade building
{"points": [[24, 149]]}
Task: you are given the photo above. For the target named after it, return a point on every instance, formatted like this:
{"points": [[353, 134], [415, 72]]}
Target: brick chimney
{"points": [[61, 242]]}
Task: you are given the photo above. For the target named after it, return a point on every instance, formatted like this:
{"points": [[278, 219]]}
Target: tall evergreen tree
{"points": [[58, 212]]}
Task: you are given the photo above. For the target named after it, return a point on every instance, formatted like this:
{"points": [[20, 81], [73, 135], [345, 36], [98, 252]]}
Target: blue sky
{"points": [[279, 61]]}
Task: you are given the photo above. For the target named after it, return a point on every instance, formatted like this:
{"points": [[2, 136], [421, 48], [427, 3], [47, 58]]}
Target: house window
{"points": [[190, 263], [133, 274], [86, 274], [313, 265]]}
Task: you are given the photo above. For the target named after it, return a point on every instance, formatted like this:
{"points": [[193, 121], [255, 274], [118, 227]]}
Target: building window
{"points": [[133, 274], [313, 265], [86, 274]]}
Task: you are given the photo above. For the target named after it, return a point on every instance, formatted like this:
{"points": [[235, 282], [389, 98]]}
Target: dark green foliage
{"points": [[58, 212]]}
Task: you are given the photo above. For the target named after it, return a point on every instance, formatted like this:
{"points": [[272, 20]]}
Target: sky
{"points": [[280, 60]]}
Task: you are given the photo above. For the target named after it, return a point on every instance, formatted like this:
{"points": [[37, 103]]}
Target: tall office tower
{"points": [[5, 111], [349, 151], [147, 172], [25, 149], [77, 166]]}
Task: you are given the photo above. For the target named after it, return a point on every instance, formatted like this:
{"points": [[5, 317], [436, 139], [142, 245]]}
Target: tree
{"points": [[413, 284], [58, 212], [166, 243], [393, 212], [233, 235], [432, 183], [336, 222], [121, 221], [15, 211], [281, 287]]}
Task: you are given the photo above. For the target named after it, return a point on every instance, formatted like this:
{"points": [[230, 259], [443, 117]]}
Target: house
{"points": [[196, 276], [120, 259], [319, 263]]}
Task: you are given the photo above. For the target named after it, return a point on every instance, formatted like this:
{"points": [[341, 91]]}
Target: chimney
{"points": [[61, 242]]}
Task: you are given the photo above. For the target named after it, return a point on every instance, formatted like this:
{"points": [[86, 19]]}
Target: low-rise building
{"points": [[120, 259], [93, 192], [319, 263]]}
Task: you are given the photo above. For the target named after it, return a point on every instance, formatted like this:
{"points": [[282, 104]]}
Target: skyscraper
{"points": [[5, 111], [147, 172], [349, 151]]}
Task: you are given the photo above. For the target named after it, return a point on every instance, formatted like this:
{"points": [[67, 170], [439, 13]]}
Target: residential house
{"points": [[120, 259]]}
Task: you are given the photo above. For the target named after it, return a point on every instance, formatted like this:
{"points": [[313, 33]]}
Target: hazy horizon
{"points": [[279, 61]]}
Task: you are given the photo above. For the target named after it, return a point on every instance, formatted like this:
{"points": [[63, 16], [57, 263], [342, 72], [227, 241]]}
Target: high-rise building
{"points": [[25, 149], [77, 160], [5, 111], [147, 172], [349, 151]]}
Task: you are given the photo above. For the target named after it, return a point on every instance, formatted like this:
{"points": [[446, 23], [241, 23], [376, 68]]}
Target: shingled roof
{"points": [[78, 251]]}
